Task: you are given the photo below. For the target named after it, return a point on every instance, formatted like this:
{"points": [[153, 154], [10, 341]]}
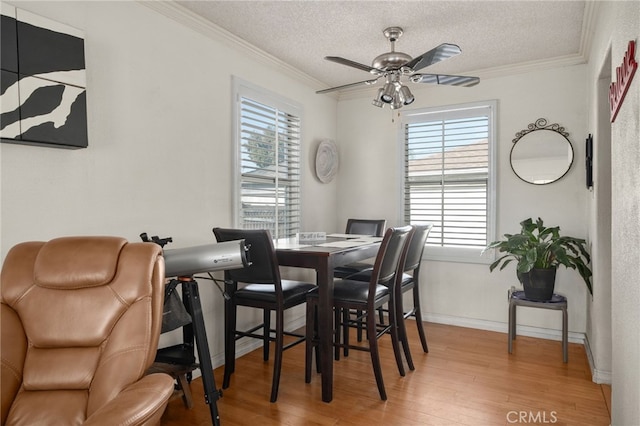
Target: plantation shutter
{"points": [[269, 169], [446, 176]]}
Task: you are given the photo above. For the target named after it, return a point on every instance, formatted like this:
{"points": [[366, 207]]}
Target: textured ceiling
{"points": [[491, 34]]}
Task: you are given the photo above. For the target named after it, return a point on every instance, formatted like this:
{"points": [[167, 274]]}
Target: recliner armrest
{"points": [[141, 403]]}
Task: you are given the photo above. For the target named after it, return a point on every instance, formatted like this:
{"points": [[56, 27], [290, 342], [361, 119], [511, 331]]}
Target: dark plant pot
{"points": [[538, 284]]}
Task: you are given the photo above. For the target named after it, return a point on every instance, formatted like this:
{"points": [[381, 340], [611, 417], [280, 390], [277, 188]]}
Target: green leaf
{"points": [[506, 262], [541, 247]]}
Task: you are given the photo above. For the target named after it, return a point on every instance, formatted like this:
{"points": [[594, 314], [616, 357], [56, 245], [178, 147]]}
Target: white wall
{"points": [[617, 306], [599, 308], [160, 148], [468, 294]]}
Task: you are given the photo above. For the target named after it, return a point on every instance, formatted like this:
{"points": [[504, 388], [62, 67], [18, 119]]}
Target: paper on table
{"points": [[344, 244], [288, 243], [349, 236], [368, 239]]}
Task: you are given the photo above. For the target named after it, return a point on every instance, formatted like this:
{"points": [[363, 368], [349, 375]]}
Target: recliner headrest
{"points": [[93, 260]]}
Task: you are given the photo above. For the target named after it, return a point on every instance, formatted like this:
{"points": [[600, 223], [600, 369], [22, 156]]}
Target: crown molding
{"points": [[589, 20], [180, 14], [531, 66], [195, 22]]}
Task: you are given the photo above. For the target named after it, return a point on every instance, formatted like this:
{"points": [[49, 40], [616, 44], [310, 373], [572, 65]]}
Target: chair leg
{"points": [[337, 332], [346, 316], [393, 324], [358, 315], [418, 316], [309, 341], [316, 344], [266, 320], [402, 334], [229, 341], [183, 384], [375, 355], [277, 362]]}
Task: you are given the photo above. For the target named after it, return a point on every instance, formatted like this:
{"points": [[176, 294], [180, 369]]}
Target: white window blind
{"points": [[269, 168], [447, 178]]}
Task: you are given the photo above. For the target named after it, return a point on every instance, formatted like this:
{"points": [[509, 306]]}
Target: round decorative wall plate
{"points": [[326, 161]]}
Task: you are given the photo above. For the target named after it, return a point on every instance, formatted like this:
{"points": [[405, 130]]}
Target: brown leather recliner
{"points": [[80, 324]]}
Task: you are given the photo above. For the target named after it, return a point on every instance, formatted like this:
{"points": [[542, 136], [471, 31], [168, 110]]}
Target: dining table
{"points": [[323, 256]]}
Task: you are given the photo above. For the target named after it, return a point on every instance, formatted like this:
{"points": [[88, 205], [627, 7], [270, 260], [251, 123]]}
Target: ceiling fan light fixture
{"points": [[407, 96], [388, 93], [398, 101], [377, 100], [392, 66]]}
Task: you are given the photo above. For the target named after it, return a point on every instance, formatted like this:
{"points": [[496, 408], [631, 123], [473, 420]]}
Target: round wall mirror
{"points": [[541, 154]]}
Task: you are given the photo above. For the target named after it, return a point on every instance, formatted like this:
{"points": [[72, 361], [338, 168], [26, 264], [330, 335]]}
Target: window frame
{"points": [[444, 253], [244, 89]]}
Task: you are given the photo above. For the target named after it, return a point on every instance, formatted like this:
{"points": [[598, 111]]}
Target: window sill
{"points": [[460, 255]]}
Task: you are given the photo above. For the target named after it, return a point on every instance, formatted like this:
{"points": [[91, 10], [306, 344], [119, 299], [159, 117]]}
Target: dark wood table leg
{"points": [[324, 276]]}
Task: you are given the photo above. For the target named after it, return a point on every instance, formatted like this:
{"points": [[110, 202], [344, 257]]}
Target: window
{"points": [[267, 162], [449, 178]]}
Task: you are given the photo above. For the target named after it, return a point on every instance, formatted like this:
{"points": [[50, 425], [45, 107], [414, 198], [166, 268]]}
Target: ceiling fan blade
{"points": [[353, 64], [435, 55], [365, 82], [449, 80]]}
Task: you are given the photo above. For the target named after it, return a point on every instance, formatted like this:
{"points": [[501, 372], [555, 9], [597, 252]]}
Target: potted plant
{"points": [[538, 251]]}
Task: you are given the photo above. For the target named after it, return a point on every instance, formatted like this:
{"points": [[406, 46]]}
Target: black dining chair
{"points": [[364, 297], [408, 280], [372, 227], [259, 286]]}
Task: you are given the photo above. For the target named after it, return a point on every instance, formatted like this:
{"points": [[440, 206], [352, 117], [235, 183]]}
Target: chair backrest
{"points": [[80, 322], [373, 227], [416, 246], [264, 263], [386, 263]]}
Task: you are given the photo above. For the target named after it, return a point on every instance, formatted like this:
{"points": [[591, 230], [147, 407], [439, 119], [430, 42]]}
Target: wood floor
{"points": [[467, 378]]}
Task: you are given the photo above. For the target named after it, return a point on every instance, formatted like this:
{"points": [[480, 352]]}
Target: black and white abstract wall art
{"points": [[43, 81]]}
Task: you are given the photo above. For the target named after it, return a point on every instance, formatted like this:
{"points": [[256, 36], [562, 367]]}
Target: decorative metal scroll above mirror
{"points": [[541, 153]]}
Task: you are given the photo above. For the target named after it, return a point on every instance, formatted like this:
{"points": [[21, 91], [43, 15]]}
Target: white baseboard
{"points": [[502, 327], [601, 377], [597, 376]]}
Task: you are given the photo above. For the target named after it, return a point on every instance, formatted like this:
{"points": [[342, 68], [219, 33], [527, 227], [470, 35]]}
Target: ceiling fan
{"points": [[392, 66]]}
